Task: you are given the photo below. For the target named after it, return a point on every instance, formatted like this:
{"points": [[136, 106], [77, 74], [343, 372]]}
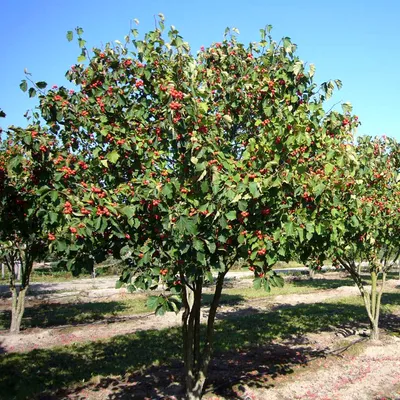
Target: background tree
{"points": [[361, 215], [192, 163], [26, 170]]}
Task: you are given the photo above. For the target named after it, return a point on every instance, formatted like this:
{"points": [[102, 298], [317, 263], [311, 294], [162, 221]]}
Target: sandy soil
{"points": [[373, 374]]}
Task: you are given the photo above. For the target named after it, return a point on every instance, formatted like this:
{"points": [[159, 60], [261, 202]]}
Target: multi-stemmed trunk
{"points": [[18, 290], [17, 308], [371, 298], [197, 355], [372, 302]]}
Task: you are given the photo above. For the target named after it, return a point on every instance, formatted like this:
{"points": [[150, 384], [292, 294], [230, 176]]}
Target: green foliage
{"points": [[192, 161]]}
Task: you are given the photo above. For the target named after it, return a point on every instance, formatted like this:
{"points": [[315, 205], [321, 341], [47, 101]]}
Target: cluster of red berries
{"points": [[174, 105], [67, 208]]}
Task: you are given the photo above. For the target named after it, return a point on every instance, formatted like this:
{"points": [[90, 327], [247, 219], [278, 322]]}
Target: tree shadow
{"points": [[229, 373], [226, 299], [58, 314], [322, 283], [391, 298], [35, 289]]}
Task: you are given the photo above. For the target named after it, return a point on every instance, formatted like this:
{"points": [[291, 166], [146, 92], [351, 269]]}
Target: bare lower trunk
{"points": [[197, 360], [374, 331], [17, 308], [372, 298], [372, 302], [19, 265]]}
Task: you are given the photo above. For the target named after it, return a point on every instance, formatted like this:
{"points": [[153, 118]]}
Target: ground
{"points": [[336, 363]]}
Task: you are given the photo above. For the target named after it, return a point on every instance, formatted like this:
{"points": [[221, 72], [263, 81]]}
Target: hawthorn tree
{"points": [[362, 219], [191, 164], [34, 173], [26, 167]]}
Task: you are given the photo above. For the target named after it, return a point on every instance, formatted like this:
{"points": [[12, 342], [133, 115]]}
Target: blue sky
{"points": [[356, 41]]}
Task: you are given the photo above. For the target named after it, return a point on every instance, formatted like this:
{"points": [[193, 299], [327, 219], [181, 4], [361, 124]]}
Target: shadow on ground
{"points": [[229, 374], [56, 314], [323, 283], [137, 357]]}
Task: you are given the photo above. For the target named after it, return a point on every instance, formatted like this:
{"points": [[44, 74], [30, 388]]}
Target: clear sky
{"points": [[357, 41]]}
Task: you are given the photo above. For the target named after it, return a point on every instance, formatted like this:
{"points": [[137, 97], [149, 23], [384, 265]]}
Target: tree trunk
{"points": [[196, 361], [372, 302], [18, 308], [374, 331], [24, 260], [372, 299]]}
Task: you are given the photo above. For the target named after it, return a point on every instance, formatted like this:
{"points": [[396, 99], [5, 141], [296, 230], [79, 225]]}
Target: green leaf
{"points": [[212, 247], [81, 58], [128, 211], [201, 258], [61, 245], [53, 217], [70, 36], [277, 281], [289, 228], [231, 215], [242, 205], [32, 92], [198, 244], [54, 196], [300, 232], [81, 43], [191, 226], [167, 190], [204, 186], [355, 221], [254, 189], [329, 168], [41, 85], [298, 67], [160, 310], [152, 302], [347, 108], [125, 252], [113, 156], [181, 224], [203, 107], [319, 189], [24, 85], [257, 283], [312, 70], [118, 284], [186, 225]]}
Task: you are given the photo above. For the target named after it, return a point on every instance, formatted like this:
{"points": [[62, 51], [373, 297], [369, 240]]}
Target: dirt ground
{"points": [[315, 368], [36, 338]]}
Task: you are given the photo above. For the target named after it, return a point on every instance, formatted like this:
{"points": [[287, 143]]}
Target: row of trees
{"points": [[184, 164]]}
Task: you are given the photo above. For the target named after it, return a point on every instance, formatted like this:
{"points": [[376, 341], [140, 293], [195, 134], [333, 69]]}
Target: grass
{"points": [[47, 275], [26, 375], [56, 314], [233, 296], [52, 275]]}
